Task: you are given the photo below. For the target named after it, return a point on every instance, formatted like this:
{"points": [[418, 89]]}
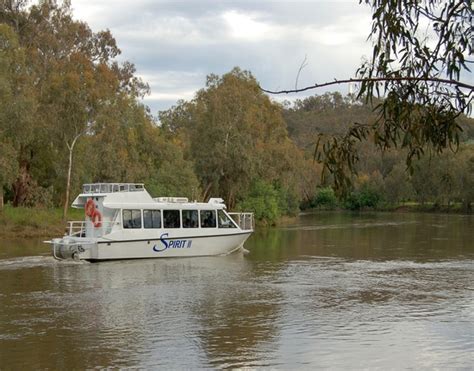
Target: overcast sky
{"points": [[175, 44]]}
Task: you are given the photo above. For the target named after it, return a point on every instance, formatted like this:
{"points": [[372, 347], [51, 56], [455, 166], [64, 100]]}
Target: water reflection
{"points": [[369, 236], [330, 290]]}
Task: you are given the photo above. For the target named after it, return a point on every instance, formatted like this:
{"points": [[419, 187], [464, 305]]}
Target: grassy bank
{"points": [[22, 222]]}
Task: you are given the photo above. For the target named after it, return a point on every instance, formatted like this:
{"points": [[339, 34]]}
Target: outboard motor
{"points": [[66, 248]]}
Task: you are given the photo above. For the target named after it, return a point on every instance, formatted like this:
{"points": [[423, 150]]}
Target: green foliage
{"points": [[397, 184], [424, 82], [365, 197], [441, 179], [62, 78], [263, 201], [420, 112], [269, 201], [288, 201], [173, 179], [329, 114], [233, 134], [8, 164], [325, 198]]}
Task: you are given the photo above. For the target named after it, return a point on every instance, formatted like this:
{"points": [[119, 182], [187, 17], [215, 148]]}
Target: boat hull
{"points": [[162, 247]]}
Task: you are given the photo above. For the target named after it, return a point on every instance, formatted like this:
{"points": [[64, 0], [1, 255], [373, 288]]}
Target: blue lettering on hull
{"points": [[165, 244]]}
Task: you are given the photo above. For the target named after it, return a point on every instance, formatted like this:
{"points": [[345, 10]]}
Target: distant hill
{"points": [[332, 114]]}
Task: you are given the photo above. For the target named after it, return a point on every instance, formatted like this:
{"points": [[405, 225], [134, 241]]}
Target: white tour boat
{"points": [[122, 221]]}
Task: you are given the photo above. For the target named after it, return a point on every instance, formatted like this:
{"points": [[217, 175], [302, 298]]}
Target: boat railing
{"points": [[112, 187], [81, 227], [244, 220]]}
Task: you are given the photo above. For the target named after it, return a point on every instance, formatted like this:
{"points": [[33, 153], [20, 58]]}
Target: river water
{"points": [[333, 290]]}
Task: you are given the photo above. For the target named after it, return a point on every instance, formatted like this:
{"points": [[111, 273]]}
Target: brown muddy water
{"points": [[331, 290]]}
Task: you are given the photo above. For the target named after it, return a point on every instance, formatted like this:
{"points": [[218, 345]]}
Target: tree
{"points": [[127, 145], [8, 167], [70, 113], [233, 134], [16, 106], [424, 79], [397, 185], [73, 77]]}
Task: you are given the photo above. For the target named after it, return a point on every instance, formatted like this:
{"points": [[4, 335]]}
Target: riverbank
{"points": [[428, 207], [405, 207], [23, 222]]}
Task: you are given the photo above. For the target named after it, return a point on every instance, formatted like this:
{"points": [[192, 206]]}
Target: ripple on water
{"points": [[35, 261], [348, 226]]}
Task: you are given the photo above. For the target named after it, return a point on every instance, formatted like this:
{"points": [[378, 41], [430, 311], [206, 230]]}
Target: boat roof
{"points": [[94, 188], [134, 195]]}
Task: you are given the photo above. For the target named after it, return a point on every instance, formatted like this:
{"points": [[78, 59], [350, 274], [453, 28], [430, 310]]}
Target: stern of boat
{"points": [[72, 248]]}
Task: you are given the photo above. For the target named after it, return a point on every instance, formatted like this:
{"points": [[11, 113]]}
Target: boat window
{"points": [[190, 218], [151, 218], [224, 220], [132, 218], [171, 218], [208, 219], [135, 187]]}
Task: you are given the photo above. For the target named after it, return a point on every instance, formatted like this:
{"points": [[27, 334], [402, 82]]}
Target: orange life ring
{"points": [[89, 208], [93, 213], [97, 219]]}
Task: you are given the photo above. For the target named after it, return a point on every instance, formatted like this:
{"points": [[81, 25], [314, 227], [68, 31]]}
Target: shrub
{"points": [[365, 197], [288, 201], [325, 198], [263, 201]]}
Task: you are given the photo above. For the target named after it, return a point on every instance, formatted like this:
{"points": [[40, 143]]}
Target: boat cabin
{"points": [[128, 207]]}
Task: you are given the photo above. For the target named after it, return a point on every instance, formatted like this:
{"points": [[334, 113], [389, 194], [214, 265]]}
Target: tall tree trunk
{"points": [[1, 199], [69, 171], [230, 200], [205, 195], [21, 185]]}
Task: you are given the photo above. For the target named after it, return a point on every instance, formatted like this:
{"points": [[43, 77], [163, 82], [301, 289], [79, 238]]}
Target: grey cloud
{"points": [[175, 44]]}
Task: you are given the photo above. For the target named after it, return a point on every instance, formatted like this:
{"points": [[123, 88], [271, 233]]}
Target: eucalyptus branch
{"points": [[442, 34], [374, 79], [71, 146]]}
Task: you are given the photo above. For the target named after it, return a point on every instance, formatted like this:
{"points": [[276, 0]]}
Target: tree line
{"points": [[70, 113], [382, 178]]}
